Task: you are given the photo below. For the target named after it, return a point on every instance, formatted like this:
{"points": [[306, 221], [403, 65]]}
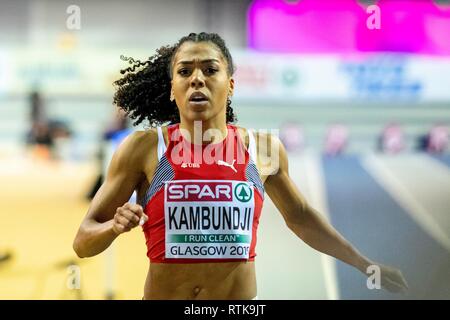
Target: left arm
{"points": [[314, 230]]}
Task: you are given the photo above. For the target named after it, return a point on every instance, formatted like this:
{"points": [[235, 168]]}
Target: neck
{"points": [[215, 129]]}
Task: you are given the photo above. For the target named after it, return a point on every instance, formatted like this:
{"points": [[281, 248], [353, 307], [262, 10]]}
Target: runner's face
{"points": [[200, 68]]}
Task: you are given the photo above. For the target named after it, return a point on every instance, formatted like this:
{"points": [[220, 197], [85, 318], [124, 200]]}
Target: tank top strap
{"points": [[251, 145], [161, 144], [173, 133], [236, 142]]}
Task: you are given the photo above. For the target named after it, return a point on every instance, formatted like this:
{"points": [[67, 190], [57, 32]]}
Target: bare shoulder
{"points": [[135, 149], [139, 141], [271, 153], [144, 138], [269, 149], [267, 144]]}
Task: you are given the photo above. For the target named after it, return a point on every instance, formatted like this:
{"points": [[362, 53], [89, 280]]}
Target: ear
{"points": [[172, 95], [231, 87]]}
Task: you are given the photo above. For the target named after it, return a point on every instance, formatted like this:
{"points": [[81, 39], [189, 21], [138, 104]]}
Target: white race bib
{"points": [[208, 219]]}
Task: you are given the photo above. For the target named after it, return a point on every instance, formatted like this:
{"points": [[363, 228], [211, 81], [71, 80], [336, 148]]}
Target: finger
{"points": [[132, 225], [137, 209], [133, 207], [129, 215], [128, 223], [392, 286], [143, 219], [404, 282], [126, 205], [133, 222], [400, 280]]}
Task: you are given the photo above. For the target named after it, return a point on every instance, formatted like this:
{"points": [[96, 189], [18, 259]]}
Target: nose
{"points": [[197, 79]]}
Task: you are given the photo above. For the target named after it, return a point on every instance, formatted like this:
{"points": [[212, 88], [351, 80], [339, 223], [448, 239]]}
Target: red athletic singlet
{"points": [[204, 201]]}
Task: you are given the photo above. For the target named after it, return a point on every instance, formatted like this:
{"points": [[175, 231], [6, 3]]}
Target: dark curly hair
{"points": [[144, 90]]}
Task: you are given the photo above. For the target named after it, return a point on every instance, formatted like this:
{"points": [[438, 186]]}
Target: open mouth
{"points": [[198, 97]]}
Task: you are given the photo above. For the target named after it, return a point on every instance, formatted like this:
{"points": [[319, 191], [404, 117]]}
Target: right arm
{"points": [[109, 214]]}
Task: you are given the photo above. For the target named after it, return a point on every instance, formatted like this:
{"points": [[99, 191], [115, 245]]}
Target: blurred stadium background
{"points": [[363, 112]]}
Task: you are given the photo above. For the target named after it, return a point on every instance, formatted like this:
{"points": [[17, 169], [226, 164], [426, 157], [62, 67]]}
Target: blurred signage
{"points": [[383, 76], [259, 76], [393, 77], [57, 72]]}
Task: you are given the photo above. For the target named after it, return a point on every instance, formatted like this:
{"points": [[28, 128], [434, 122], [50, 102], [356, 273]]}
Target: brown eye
{"points": [[183, 72], [211, 70]]}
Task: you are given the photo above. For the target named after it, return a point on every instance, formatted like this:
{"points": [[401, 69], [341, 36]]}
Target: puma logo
{"points": [[226, 164]]}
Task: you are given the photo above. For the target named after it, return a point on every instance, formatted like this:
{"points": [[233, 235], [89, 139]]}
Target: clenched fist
{"points": [[392, 279], [128, 217]]}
